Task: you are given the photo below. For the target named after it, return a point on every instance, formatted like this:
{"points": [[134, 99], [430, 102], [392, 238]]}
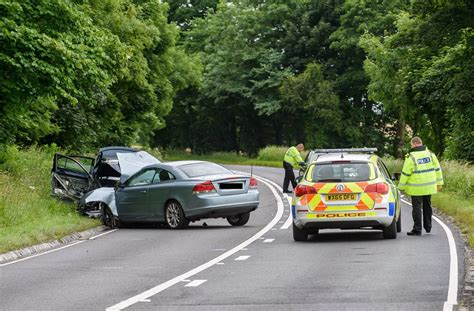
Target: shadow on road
{"points": [[345, 236]]}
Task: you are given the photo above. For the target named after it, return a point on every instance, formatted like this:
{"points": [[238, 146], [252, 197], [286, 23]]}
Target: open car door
{"points": [[71, 176]]}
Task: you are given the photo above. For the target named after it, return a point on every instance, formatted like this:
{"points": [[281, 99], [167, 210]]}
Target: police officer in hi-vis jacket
{"points": [[421, 177], [292, 158]]}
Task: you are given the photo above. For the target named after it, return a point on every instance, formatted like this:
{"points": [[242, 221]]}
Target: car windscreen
{"points": [[203, 169], [341, 172]]}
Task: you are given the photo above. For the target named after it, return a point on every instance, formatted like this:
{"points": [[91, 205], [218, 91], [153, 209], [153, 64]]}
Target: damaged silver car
{"points": [[73, 175], [175, 193]]}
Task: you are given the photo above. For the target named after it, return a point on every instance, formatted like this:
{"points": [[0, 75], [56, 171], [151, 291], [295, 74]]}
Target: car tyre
{"points": [[239, 220], [399, 222], [299, 235], [108, 218], [390, 232], [174, 216]]}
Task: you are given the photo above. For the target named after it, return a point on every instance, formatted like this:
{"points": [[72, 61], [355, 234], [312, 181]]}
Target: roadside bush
{"points": [[272, 153]]}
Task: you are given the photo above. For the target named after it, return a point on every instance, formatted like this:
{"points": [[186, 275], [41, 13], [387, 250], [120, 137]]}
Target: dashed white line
{"points": [[452, 298], [195, 283], [268, 240], [240, 258], [163, 286]]}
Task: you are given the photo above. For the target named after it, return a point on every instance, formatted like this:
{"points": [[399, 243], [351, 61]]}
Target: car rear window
{"points": [[341, 172], [202, 169]]}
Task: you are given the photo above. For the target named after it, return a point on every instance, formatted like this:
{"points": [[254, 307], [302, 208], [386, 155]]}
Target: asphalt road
{"points": [[151, 268]]}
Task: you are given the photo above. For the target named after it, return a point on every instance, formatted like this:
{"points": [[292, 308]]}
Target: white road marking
{"points": [[161, 287], [452, 298], [195, 283], [268, 240], [146, 300], [41, 254], [219, 263], [57, 249], [244, 249], [289, 220], [240, 258], [99, 235]]}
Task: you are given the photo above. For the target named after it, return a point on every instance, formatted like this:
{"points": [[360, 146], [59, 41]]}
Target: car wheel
{"points": [[174, 216], [239, 220], [299, 235], [399, 222], [108, 218], [390, 232]]}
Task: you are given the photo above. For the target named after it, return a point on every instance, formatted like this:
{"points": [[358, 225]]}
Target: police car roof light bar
{"points": [[346, 150]]}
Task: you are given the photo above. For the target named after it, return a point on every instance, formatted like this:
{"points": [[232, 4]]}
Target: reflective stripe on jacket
{"points": [[293, 156], [421, 172]]}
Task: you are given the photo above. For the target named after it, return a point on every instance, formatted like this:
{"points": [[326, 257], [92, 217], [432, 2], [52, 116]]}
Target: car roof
{"points": [[121, 148], [183, 162], [360, 157]]}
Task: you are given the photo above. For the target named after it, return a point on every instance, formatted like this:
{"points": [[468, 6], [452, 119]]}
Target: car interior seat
{"points": [[164, 176]]}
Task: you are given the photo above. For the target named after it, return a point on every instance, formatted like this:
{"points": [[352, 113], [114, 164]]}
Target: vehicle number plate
{"points": [[341, 197]]}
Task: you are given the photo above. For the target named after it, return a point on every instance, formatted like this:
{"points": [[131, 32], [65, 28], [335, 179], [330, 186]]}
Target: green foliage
{"points": [[101, 71], [423, 72]]}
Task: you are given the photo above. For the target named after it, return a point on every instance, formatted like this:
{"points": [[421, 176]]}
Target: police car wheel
{"points": [[390, 232], [399, 223], [299, 235]]}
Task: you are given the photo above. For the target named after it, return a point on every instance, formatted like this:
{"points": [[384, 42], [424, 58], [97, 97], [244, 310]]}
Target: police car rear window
{"points": [[342, 172]]}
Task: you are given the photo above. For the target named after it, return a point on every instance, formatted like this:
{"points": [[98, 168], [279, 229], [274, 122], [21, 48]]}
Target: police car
{"points": [[346, 189]]}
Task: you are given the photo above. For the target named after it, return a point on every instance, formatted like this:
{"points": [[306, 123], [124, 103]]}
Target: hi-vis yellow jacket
{"points": [[421, 172], [293, 156]]}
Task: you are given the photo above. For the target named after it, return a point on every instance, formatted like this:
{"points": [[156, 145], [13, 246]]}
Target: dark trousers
{"points": [[418, 203], [289, 176]]}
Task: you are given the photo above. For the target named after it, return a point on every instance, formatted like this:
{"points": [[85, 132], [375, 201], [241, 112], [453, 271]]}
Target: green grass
{"points": [[28, 213]]}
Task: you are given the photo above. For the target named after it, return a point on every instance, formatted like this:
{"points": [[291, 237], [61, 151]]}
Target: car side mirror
{"points": [[119, 185], [396, 176]]}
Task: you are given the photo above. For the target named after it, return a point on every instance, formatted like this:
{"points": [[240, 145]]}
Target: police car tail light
{"points": [[380, 187], [253, 183], [205, 187], [302, 190]]}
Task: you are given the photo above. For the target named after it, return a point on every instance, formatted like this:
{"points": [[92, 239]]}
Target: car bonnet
{"points": [[130, 163]]}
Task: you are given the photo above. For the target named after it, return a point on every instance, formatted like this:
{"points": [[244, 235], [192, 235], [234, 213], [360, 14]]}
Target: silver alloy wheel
{"points": [[172, 215]]}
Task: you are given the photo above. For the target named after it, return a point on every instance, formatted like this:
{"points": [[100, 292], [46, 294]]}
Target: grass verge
{"points": [[28, 213]]}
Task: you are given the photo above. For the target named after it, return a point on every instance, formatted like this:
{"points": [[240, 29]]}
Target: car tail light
{"points": [[380, 187], [204, 187], [253, 183], [301, 190]]}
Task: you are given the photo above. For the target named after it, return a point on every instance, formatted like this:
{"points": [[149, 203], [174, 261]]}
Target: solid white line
{"points": [[452, 298], [41, 254], [195, 283], [102, 234], [161, 287], [289, 220], [268, 240], [242, 258], [57, 249]]}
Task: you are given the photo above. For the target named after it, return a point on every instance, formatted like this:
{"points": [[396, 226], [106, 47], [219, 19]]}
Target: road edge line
{"points": [[165, 285], [452, 298]]}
